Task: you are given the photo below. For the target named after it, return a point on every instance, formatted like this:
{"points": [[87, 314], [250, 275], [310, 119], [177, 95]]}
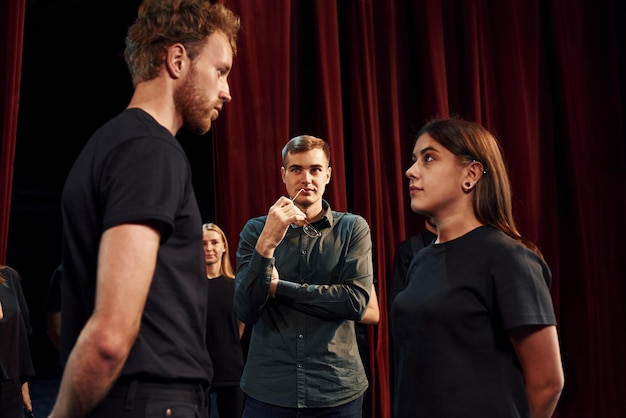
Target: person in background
{"points": [[53, 307], [16, 364], [402, 258], [474, 331], [371, 317], [134, 291], [304, 277], [404, 254], [224, 331]]}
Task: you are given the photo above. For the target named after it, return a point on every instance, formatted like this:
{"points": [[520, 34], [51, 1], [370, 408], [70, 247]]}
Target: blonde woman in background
{"points": [[224, 331]]}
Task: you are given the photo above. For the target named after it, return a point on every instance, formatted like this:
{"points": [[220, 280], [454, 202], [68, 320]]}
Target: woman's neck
{"points": [[452, 228], [213, 270]]}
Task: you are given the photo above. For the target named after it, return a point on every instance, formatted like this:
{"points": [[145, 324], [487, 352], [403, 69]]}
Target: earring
{"points": [[467, 187]]}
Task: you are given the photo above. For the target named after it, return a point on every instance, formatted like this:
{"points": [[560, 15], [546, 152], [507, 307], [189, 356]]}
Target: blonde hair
{"points": [[226, 268]]}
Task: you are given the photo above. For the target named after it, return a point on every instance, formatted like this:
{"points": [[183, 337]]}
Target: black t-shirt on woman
{"points": [[223, 333], [453, 356]]}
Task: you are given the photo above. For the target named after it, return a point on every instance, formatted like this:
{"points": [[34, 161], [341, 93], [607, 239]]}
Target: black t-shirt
{"points": [[15, 360], [53, 298], [223, 333], [402, 258], [134, 170], [405, 251], [450, 326]]}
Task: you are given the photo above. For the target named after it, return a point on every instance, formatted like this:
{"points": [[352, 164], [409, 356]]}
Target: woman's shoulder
{"points": [[9, 273]]}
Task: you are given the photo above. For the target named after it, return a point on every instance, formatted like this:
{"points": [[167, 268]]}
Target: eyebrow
{"points": [[311, 166], [425, 150]]}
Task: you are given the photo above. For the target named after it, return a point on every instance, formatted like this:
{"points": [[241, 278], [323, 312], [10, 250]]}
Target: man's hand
{"points": [[282, 214]]}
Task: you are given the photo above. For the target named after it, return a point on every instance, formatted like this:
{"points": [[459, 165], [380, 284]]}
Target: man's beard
{"points": [[194, 108]]}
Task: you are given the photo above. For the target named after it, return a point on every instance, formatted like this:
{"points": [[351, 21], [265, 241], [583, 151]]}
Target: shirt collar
{"points": [[327, 218]]}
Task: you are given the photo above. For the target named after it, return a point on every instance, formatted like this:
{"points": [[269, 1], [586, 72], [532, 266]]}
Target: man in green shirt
{"points": [[304, 276]]}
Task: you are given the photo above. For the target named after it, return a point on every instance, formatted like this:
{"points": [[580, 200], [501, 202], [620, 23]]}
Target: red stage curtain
{"points": [[11, 41], [366, 75], [546, 77]]}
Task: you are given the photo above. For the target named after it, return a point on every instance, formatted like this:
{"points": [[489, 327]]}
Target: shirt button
{"points": [[299, 365], [300, 336], [303, 252]]}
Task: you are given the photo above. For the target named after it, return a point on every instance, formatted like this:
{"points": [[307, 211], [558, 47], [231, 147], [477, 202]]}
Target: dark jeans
{"points": [[11, 402], [228, 401], [138, 399], [258, 409]]}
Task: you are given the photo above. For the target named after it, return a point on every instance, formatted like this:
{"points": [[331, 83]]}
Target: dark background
{"points": [[73, 80]]}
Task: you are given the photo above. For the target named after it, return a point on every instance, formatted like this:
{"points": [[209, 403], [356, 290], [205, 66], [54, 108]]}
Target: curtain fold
{"points": [[11, 39]]}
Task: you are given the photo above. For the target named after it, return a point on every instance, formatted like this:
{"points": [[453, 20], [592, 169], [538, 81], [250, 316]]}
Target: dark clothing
{"points": [[53, 298], [402, 258], [225, 347], [303, 351], [229, 401], [11, 400], [15, 359], [133, 170], [223, 333], [140, 400], [258, 409], [16, 365], [453, 353], [362, 340], [52, 307]]}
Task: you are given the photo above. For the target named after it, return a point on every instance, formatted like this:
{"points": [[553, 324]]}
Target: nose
{"points": [[410, 172], [306, 179], [225, 93]]}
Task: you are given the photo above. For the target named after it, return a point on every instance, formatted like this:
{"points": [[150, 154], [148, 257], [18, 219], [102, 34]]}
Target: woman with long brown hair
{"points": [[474, 331]]}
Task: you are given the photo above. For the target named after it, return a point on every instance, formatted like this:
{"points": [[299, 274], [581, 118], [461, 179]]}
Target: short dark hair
{"points": [[304, 143]]}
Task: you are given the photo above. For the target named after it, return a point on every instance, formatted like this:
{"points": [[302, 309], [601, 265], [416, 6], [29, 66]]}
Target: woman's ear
{"points": [[475, 171], [473, 174]]}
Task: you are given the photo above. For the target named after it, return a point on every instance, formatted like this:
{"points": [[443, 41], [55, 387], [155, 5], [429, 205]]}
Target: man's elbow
{"points": [[556, 385], [546, 396], [112, 345]]}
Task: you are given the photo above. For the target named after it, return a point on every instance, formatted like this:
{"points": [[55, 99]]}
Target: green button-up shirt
{"points": [[303, 351]]}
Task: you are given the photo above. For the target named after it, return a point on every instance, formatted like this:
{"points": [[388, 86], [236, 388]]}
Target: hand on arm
{"points": [[274, 282], [126, 265], [372, 314], [537, 348]]}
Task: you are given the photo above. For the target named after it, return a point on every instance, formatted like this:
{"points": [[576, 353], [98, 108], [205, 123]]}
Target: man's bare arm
{"points": [[126, 265]]}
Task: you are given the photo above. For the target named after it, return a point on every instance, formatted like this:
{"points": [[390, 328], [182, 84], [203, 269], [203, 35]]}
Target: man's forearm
{"points": [[88, 376]]}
